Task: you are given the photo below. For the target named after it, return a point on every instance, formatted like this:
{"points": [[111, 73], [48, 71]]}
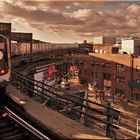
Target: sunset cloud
{"points": [[134, 9], [83, 19], [82, 13]]}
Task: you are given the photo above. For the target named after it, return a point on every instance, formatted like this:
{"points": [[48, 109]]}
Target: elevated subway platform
{"points": [[54, 121]]}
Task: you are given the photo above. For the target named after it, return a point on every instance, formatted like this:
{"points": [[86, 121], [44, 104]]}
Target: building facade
{"points": [[131, 45], [104, 40], [105, 45], [117, 74]]}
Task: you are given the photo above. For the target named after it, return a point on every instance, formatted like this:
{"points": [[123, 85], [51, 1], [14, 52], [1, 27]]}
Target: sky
{"points": [[72, 21]]}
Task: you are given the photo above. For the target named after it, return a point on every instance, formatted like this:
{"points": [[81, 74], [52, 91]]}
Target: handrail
{"points": [[58, 89], [26, 125], [50, 92]]}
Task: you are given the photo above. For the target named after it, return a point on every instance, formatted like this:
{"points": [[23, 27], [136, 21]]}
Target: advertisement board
{"points": [[5, 28], [38, 77], [21, 37]]}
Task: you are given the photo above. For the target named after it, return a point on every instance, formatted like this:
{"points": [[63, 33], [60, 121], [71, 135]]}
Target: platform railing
{"points": [[73, 106]]}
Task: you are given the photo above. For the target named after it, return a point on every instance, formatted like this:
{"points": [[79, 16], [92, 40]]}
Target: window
{"points": [[107, 65], [137, 68], [95, 75], [108, 89], [103, 64], [92, 73], [107, 76], [120, 80], [81, 62], [136, 96], [80, 71], [94, 63], [76, 62], [119, 92], [85, 72], [120, 67]]}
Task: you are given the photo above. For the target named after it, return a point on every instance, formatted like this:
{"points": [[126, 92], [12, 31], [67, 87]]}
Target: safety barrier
{"points": [[78, 108]]}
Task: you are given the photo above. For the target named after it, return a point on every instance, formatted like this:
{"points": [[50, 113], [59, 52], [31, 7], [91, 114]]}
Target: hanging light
{"points": [[2, 71]]}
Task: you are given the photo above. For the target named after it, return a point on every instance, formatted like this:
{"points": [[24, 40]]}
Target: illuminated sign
{"points": [[21, 37]]}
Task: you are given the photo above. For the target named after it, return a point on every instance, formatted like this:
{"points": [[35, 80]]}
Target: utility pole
{"points": [[84, 109]]}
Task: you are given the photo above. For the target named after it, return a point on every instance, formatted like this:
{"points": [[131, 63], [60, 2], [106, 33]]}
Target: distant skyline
{"points": [[71, 21]]}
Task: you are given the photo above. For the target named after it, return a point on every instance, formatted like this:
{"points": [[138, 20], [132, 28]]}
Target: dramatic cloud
{"points": [[79, 18], [134, 9], [39, 16]]}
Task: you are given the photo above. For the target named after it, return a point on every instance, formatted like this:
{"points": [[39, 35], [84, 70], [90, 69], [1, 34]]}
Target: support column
{"points": [[84, 109], [109, 128]]}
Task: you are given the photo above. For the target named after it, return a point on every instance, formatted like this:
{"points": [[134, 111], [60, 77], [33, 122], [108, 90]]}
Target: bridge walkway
{"points": [[54, 121]]}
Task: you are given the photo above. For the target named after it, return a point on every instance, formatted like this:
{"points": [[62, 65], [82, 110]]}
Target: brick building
{"points": [[105, 44], [117, 74]]}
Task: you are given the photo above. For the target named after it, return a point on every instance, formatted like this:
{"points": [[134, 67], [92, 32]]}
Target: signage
{"points": [[133, 84], [5, 28], [1, 45], [50, 72], [21, 37]]}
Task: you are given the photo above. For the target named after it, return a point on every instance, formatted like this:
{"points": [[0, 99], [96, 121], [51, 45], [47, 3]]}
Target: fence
{"points": [[73, 106]]}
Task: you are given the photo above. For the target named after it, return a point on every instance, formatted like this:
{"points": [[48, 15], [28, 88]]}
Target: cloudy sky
{"points": [[72, 21]]}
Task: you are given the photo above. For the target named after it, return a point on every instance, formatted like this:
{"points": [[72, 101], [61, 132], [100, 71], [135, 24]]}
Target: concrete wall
{"points": [[102, 49], [128, 46], [109, 40], [104, 40], [98, 40], [131, 46], [137, 47]]}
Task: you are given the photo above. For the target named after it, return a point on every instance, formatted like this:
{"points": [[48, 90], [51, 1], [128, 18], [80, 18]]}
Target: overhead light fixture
{"points": [[2, 71]]}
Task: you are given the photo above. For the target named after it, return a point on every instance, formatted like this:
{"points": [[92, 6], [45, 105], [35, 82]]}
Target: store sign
{"points": [[133, 84], [21, 37], [5, 28]]}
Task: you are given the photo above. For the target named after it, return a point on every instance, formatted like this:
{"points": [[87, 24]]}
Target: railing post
{"points": [[109, 128], [22, 84], [84, 109], [137, 131], [12, 80]]}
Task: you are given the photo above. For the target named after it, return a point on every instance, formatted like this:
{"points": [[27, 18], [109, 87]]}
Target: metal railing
{"points": [[26, 125], [73, 106]]}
